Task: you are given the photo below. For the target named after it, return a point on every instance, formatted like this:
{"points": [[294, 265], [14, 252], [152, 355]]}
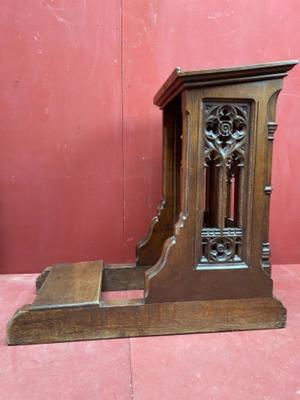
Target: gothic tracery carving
{"points": [[226, 132]]}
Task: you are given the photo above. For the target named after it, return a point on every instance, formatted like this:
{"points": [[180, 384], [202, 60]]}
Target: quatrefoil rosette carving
{"points": [[222, 249], [220, 245], [226, 131]]}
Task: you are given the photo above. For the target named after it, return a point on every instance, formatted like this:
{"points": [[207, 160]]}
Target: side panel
{"points": [[176, 276]]}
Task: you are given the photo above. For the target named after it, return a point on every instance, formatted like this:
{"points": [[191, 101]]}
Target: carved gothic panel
{"points": [[226, 130], [226, 134]]}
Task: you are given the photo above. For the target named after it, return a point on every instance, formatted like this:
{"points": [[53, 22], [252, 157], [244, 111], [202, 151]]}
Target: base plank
{"points": [[129, 318]]}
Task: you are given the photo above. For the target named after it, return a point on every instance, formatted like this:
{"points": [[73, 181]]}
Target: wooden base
{"points": [[65, 310]]}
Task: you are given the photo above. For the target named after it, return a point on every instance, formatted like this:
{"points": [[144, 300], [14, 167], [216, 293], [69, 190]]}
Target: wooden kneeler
{"points": [[204, 264]]}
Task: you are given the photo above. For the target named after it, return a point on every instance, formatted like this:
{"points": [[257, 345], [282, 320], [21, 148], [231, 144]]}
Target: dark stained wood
{"points": [[41, 278], [71, 284], [181, 80], [204, 264], [133, 318], [161, 227], [182, 273], [123, 277]]}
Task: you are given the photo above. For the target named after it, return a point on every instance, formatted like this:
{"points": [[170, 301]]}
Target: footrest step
{"points": [[70, 285]]}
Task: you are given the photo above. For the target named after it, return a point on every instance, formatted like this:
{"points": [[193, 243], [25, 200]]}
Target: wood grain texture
{"points": [[71, 285], [41, 278], [123, 277], [135, 319]]}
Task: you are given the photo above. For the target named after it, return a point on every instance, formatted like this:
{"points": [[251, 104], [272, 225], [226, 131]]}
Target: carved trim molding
{"points": [[268, 190], [272, 126], [265, 255]]}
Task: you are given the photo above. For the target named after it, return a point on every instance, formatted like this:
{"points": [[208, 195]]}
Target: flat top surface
{"points": [[71, 284], [214, 76], [254, 365], [272, 66]]}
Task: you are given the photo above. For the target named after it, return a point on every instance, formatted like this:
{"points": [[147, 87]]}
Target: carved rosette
{"points": [[226, 129], [220, 246]]}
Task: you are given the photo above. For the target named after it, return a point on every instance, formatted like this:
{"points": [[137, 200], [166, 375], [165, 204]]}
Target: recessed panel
{"points": [[226, 138]]}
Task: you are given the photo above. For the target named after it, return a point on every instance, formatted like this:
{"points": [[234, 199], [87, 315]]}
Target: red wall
{"points": [[80, 139]]}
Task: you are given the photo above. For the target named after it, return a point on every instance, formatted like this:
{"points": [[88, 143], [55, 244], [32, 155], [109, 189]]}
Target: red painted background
{"points": [[80, 158]]}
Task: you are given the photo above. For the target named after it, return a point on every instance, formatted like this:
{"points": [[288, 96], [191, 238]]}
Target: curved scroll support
{"points": [[174, 278], [177, 254], [148, 250], [143, 242], [150, 273]]}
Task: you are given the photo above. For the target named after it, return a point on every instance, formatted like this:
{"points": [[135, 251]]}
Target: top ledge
{"points": [[179, 80]]}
